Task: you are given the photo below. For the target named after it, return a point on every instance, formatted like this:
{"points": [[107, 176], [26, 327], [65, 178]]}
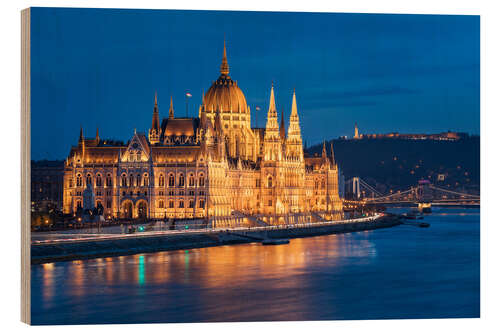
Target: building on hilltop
{"points": [[212, 166]]}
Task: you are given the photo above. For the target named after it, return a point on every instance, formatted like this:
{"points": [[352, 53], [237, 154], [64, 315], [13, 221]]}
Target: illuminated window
{"points": [[171, 204], [181, 180], [191, 203], [124, 180], [145, 180], [109, 181], [138, 180], [191, 180], [160, 204], [89, 179], [131, 180], [171, 180], [98, 180], [161, 181], [181, 204], [201, 180], [201, 203]]}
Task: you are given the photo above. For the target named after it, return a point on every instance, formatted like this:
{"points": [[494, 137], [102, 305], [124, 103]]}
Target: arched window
{"points": [[161, 181], [201, 203], [201, 180], [181, 180], [124, 180], [145, 180], [160, 204], [171, 180], [270, 182], [171, 204], [89, 179], [191, 180], [98, 180], [181, 204], [131, 180], [138, 180], [109, 180], [191, 203]]}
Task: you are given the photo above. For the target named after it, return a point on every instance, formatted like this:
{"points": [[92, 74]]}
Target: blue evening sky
{"points": [[100, 68]]}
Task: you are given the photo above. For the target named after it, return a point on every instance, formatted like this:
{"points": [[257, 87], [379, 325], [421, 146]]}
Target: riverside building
{"points": [[215, 167]]}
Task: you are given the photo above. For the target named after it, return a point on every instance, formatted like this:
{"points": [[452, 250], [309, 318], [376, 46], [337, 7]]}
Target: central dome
{"points": [[224, 94]]}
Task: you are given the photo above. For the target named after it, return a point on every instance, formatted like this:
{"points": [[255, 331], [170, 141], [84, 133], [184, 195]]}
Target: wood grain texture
{"points": [[25, 165]]}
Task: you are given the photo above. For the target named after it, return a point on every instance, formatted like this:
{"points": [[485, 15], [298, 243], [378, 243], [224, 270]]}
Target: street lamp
{"points": [[188, 96]]}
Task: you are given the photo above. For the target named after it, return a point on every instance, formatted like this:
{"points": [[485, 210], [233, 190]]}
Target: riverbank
{"points": [[118, 245]]}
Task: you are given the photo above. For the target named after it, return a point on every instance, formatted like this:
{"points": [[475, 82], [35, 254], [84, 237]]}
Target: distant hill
{"points": [[398, 164]]}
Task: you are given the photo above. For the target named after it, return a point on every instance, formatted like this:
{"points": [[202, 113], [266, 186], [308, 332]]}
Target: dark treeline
{"points": [[398, 164]]}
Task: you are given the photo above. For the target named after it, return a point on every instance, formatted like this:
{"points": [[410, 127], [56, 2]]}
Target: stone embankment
{"points": [[118, 245]]}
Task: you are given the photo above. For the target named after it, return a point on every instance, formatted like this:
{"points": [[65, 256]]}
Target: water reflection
{"points": [[371, 274]]}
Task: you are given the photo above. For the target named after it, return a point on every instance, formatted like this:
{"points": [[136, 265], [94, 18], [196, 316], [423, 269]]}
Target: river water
{"points": [[400, 272]]}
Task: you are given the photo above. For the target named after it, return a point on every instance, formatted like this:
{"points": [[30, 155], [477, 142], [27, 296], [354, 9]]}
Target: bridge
{"points": [[423, 193]]}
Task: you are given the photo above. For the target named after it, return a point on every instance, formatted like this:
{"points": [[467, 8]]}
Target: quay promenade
{"points": [[61, 247]]}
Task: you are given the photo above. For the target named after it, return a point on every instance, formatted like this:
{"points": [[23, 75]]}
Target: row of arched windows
{"points": [[140, 180], [136, 180], [180, 204], [88, 180], [181, 180]]}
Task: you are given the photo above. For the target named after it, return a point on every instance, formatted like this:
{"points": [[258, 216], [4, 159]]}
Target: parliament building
{"points": [[215, 167]]}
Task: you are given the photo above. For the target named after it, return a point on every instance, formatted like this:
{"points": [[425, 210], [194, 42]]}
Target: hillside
{"points": [[398, 164]]}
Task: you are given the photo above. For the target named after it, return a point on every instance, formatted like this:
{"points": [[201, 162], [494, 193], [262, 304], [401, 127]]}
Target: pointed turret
{"points": [[272, 116], [224, 67], [323, 153], [171, 109], [272, 147], [154, 131], [81, 138], [97, 139], [294, 137], [332, 155]]}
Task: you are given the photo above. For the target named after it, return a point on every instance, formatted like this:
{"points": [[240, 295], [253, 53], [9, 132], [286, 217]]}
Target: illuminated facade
{"points": [[212, 166]]}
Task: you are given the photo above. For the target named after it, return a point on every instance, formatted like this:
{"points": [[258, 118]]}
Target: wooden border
{"points": [[25, 165]]}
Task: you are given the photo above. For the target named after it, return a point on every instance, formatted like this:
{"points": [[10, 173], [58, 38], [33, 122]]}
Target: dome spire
{"points": [[224, 67], [171, 109]]}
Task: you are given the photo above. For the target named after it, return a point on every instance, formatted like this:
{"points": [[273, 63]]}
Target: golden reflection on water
{"points": [[48, 281], [212, 267]]}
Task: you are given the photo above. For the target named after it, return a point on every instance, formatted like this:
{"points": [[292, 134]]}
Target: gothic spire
{"points": [[224, 67], [323, 153], [155, 123], [81, 134], [97, 135], [294, 133], [332, 154], [272, 116], [171, 109]]}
